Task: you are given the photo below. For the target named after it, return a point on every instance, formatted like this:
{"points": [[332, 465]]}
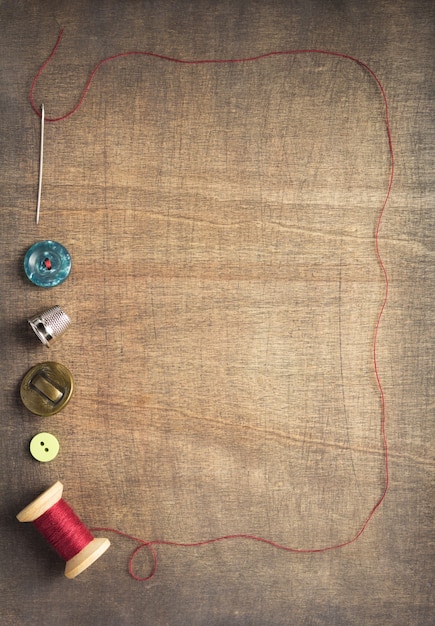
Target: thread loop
{"points": [[77, 535]]}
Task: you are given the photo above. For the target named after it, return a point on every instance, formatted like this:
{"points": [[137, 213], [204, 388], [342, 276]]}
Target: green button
{"points": [[44, 447]]}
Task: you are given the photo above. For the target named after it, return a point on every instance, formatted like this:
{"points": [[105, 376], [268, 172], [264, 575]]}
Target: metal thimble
{"points": [[50, 324]]}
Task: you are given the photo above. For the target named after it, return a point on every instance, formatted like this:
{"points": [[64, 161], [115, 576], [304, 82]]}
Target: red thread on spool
{"points": [[63, 530], [150, 544]]}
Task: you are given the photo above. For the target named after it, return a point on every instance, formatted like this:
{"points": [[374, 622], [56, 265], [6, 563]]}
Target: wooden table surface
{"points": [[223, 297]]}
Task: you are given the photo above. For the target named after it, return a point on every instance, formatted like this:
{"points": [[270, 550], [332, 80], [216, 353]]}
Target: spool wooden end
{"points": [[85, 557], [42, 503]]}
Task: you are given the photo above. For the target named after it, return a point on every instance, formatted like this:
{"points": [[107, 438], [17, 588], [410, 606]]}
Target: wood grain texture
{"points": [[223, 296]]}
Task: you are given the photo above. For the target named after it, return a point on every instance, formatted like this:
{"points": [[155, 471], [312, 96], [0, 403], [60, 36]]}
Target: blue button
{"points": [[47, 263]]}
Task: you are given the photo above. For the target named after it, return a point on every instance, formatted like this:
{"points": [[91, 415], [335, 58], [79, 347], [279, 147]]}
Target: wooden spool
{"points": [[85, 557]]}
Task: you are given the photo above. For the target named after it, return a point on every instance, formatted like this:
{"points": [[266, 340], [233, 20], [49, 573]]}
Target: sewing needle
{"points": [[41, 160]]}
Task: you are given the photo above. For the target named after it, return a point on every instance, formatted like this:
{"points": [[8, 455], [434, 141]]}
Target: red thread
{"points": [[150, 544], [47, 264], [63, 530]]}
